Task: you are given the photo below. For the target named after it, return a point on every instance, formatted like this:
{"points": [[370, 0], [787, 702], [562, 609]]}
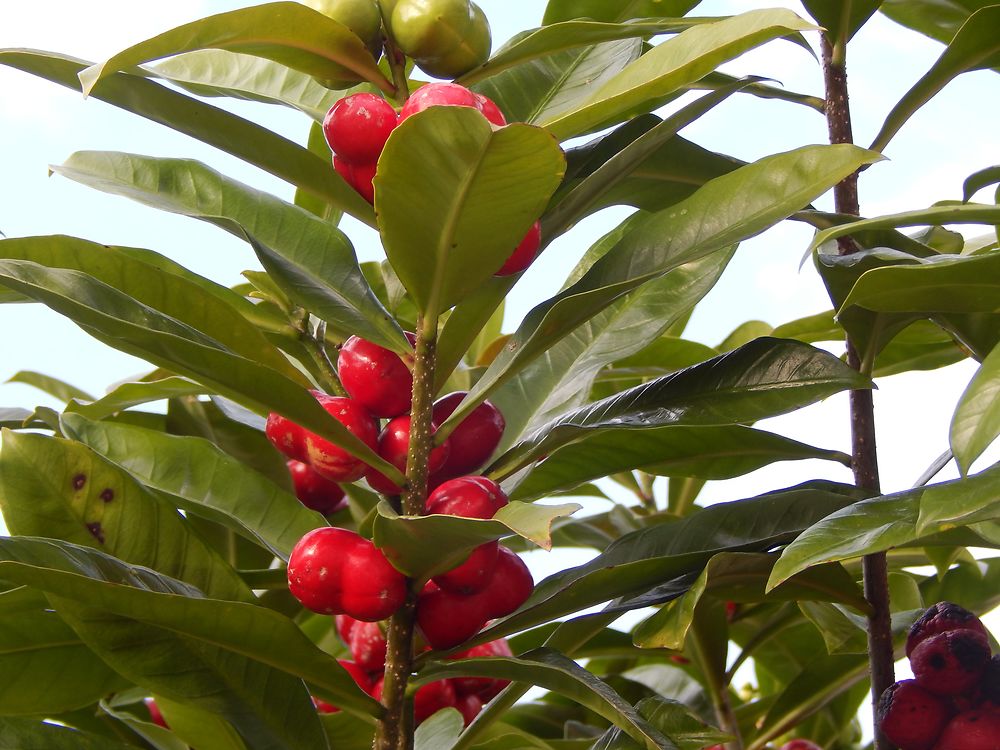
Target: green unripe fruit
{"points": [[360, 16], [472, 50], [428, 29]]}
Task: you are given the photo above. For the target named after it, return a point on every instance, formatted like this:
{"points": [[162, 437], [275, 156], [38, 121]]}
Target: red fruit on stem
{"points": [[368, 646], [431, 698], [286, 436], [313, 491], [376, 377], [155, 715], [359, 176], [485, 688], [510, 586], [474, 439], [474, 574], [357, 127], [490, 110], [800, 744], [524, 254], [950, 663], [447, 619], [971, 730], [911, 717], [345, 625], [438, 95], [335, 571], [940, 618], [468, 497], [469, 706], [393, 446], [360, 677], [332, 461]]}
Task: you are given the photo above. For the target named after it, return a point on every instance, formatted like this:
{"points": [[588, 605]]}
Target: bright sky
{"points": [[951, 137]]}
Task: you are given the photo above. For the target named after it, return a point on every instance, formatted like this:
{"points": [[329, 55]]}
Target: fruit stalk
{"points": [[864, 456], [315, 345], [391, 732]]}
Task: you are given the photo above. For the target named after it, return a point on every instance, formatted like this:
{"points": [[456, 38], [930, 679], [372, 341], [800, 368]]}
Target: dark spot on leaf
{"points": [[108, 495], [78, 481], [96, 531]]}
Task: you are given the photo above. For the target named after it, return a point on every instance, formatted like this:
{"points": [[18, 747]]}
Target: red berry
{"points": [[490, 110], [438, 95], [510, 586], [468, 497], [345, 625], [357, 127], [911, 717], [335, 571], [332, 461], [368, 646], [155, 715], [314, 491], [393, 446], [972, 730], [469, 706], [360, 677], [474, 573], [376, 377], [475, 438], [286, 436], [524, 254], [950, 663], [447, 619], [431, 698], [359, 176], [485, 688], [800, 744], [940, 618]]}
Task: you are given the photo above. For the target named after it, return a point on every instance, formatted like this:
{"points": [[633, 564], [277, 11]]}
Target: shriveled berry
{"points": [[376, 377], [474, 439], [438, 95], [368, 646], [357, 127], [950, 663], [332, 461], [524, 254], [911, 717], [313, 491], [393, 446], [971, 730], [940, 618]]}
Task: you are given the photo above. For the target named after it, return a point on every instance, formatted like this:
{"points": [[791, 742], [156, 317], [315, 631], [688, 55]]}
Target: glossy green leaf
{"points": [[482, 190], [315, 205], [202, 480], [549, 669], [197, 727], [978, 180], [47, 384], [723, 212], [63, 490], [185, 620], [34, 733], [841, 18], [672, 718], [415, 544], [157, 736], [601, 10], [642, 560], [557, 37], [287, 33], [232, 134], [311, 259], [705, 452], [216, 72], [975, 46], [134, 393], [47, 669], [937, 19], [671, 65], [922, 345], [14, 417], [763, 378], [976, 423], [880, 523]]}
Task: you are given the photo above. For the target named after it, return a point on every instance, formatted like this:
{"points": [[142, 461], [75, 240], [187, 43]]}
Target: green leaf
{"points": [[880, 523], [311, 259], [439, 731], [201, 479], [197, 727], [304, 199], [922, 345], [937, 19], [33, 733], [157, 736], [212, 125], [671, 65], [169, 294], [64, 490], [672, 718], [416, 545], [14, 418], [761, 379], [724, 211], [127, 395], [482, 190], [976, 422], [216, 72], [558, 37], [601, 10], [978, 180], [704, 452], [975, 46], [48, 669], [287, 33], [841, 18], [50, 385], [642, 560], [549, 669], [185, 621]]}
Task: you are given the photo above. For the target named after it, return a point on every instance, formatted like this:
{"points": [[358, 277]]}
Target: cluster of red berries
{"points": [[358, 126], [367, 644], [953, 702]]}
